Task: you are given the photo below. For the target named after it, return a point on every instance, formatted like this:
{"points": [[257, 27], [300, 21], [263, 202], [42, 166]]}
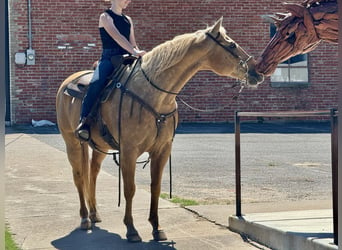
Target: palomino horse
{"points": [[299, 32], [142, 116]]}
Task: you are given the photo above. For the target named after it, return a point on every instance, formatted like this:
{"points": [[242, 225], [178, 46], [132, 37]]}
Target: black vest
{"points": [[124, 27]]}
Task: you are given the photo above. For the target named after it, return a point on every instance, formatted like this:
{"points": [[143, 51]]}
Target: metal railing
{"points": [[334, 153]]}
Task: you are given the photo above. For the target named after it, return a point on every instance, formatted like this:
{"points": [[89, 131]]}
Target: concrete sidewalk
{"points": [[304, 230], [42, 212], [41, 208], [287, 225]]}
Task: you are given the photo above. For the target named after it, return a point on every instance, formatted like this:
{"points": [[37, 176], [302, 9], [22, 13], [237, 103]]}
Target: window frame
{"points": [[288, 65]]}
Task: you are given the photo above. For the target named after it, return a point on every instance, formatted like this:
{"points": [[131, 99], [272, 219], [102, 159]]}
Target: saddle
{"points": [[78, 87]]}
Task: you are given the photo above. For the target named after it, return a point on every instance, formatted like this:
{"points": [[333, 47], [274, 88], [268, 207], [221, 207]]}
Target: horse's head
{"points": [[295, 35], [227, 58]]}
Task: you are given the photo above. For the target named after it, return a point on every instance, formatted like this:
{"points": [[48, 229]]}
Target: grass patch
{"points": [[272, 164], [182, 202], [9, 242]]}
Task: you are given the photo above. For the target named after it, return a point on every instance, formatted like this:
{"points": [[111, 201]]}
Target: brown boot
{"points": [[83, 130]]}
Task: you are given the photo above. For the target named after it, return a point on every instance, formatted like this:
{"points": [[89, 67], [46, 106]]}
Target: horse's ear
{"points": [[295, 9], [273, 19], [216, 28]]}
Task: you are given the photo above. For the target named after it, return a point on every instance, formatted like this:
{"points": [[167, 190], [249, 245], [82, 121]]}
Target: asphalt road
{"points": [[280, 161]]}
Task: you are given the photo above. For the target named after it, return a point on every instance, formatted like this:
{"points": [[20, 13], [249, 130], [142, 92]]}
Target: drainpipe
{"points": [[6, 72], [29, 24], [30, 53]]}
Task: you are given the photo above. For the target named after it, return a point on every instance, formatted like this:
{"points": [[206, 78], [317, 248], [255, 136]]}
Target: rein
{"points": [[230, 49], [234, 97], [155, 85], [243, 62]]}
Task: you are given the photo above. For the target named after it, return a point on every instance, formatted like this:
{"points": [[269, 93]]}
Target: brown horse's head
{"points": [[296, 34], [229, 59]]}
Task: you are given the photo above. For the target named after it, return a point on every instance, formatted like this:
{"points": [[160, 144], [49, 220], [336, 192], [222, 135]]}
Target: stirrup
{"points": [[83, 134], [83, 131]]}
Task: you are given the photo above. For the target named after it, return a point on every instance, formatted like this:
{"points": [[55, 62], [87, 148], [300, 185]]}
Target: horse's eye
{"points": [[291, 37]]}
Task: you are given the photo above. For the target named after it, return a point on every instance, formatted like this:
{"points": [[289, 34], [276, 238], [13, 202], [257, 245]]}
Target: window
{"points": [[292, 72]]}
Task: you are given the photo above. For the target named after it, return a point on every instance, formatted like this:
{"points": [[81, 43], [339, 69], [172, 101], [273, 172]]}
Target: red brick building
{"points": [[65, 39]]}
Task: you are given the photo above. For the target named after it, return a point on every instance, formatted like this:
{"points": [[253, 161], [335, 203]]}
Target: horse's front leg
{"points": [[158, 161], [127, 164]]}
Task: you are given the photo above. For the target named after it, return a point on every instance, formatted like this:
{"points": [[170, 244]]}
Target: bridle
{"points": [[231, 49]]}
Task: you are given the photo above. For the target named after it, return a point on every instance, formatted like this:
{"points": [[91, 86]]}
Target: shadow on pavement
{"points": [[100, 239], [29, 129], [283, 127]]}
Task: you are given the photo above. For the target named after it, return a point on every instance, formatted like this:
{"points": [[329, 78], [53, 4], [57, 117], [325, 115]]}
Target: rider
{"points": [[117, 36]]}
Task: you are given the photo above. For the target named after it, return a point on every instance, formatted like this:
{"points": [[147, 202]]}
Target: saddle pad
{"points": [[78, 87]]}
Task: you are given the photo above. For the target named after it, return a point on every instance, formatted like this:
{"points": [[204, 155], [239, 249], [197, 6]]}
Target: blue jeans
{"points": [[99, 80]]}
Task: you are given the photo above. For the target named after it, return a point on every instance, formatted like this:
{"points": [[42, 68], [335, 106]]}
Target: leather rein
{"points": [[231, 49]]}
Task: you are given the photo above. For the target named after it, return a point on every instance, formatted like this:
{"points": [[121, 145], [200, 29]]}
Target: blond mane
{"points": [[169, 53]]}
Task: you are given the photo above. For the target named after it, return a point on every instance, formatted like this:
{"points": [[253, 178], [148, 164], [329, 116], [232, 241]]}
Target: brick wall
{"points": [[73, 23]]}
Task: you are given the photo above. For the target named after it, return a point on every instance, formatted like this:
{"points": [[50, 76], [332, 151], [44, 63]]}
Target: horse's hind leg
{"points": [[95, 166], [158, 161], [79, 160]]}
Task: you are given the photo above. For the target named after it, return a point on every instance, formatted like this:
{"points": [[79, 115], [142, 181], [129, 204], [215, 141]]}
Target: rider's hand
{"points": [[138, 52]]}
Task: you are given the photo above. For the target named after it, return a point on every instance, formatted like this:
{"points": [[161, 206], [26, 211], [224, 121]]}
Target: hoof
{"points": [[159, 235], [85, 224], [133, 238], [95, 217]]}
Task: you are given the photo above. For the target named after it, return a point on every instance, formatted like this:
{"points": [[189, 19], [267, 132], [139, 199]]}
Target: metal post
{"points": [[334, 155], [339, 140], [334, 168], [6, 73], [237, 164], [170, 171], [3, 81]]}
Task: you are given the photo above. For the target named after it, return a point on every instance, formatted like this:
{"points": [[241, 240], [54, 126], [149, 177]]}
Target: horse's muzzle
{"points": [[254, 78]]}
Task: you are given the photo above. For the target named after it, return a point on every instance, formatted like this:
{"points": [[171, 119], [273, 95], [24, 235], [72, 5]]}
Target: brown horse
{"points": [[299, 32], [142, 116]]}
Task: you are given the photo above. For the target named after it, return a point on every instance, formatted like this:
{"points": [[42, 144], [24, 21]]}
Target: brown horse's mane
{"points": [[169, 53], [322, 22]]}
